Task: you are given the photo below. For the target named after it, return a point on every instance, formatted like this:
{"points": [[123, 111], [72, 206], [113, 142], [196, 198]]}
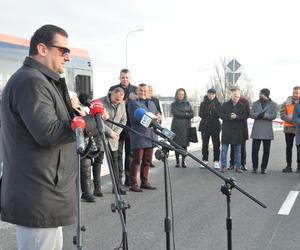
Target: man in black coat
{"points": [[124, 140], [210, 125], [232, 113], [39, 166]]}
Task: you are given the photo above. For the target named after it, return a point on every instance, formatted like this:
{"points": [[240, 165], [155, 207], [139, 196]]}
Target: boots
{"points": [[183, 164], [85, 180], [177, 160], [287, 169], [97, 181]]}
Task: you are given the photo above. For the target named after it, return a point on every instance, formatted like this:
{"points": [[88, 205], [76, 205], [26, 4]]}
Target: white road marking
{"points": [[288, 203]]}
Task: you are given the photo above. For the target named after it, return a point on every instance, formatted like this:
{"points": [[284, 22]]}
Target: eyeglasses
{"points": [[64, 50]]}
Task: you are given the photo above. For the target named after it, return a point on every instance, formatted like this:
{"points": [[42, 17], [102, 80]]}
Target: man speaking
{"points": [[38, 186]]}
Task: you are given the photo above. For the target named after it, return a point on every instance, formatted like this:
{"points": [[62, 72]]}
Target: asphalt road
{"points": [[199, 211]]}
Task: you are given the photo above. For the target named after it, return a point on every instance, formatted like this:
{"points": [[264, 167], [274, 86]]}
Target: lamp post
{"points": [[130, 32]]}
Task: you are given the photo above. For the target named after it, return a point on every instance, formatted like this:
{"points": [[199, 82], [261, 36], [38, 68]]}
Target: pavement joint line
{"points": [[288, 203]]}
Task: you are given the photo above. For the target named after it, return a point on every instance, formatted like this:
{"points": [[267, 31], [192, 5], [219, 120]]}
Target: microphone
{"points": [[96, 111], [78, 125], [148, 119], [85, 99]]}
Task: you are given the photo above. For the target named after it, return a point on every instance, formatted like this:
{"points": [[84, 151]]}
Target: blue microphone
{"points": [[148, 119]]}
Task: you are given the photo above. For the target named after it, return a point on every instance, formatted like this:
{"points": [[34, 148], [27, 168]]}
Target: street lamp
{"points": [[130, 32]]}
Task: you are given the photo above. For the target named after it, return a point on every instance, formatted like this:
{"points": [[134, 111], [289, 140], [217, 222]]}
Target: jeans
{"points": [[237, 155], [29, 238], [243, 154]]}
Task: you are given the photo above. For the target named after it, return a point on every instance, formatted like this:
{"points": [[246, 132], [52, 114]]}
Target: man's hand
{"points": [[233, 116], [159, 117], [105, 115], [114, 135]]}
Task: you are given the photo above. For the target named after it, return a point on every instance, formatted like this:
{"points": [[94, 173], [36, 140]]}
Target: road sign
{"points": [[232, 77], [234, 65]]}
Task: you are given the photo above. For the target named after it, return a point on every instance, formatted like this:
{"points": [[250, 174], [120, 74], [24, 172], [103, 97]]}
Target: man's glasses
{"points": [[64, 50]]}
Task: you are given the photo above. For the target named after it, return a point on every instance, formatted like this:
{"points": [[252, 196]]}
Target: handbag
{"points": [[192, 134]]}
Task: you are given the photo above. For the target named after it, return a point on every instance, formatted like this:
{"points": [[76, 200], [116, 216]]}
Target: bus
{"points": [[78, 72]]}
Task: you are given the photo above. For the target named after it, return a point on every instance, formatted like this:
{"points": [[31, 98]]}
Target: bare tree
{"points": [[222, 86]]}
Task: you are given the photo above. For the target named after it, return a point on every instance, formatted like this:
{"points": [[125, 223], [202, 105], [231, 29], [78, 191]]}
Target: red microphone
{"points": [[78, 125], [96, 107], [96, 111]]}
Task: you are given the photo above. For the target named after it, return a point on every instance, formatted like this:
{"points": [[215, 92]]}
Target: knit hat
{"points": [[211, 90], [265, 92]]}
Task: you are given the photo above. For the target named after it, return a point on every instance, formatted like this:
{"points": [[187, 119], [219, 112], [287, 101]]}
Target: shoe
{"points": [[298, 170], [263, 171], [183, 164], [152, 166], [254, 171], [231, 167], [238, 170], [244, 168], [216, 165], [222, 169], [88, 197], [135, 189], [127, 183], [98, 192], [121, 191], [177, 165], [287, 170], [206, 163], [147, 186]]}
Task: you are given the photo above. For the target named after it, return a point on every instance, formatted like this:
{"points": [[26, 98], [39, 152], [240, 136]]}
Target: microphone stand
{"points": [[162, 155], [119, 205], [226, 188], [77, 237]]}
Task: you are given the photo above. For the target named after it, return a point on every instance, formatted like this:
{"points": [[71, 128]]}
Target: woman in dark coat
{"points": [[182, 113]]}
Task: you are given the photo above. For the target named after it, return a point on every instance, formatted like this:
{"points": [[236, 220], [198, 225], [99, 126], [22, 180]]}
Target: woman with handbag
{"points": [[182, 113]]}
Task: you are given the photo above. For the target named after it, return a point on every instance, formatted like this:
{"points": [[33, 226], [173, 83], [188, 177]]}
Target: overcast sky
{"points": [[181, 40]]}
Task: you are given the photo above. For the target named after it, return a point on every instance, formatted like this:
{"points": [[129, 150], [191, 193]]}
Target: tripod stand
{"points": [[120, 206], [163, 156]]}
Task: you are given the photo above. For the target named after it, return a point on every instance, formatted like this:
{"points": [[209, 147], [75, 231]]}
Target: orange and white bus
{"points": [[78, 72]]}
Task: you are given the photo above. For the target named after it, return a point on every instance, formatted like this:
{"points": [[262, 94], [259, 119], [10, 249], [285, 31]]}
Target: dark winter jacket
{"points": [[38, 186], [232, 129], [210, 113], [182, 113], [138, 141], [246, 105]]}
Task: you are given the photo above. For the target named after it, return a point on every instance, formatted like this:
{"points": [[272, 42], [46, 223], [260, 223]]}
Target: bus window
{"points": [[83, 84]]}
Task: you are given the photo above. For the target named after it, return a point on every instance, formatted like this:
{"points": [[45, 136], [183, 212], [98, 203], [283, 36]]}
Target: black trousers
{"points": [[289, 140], [266, 152], [124, 142], [98, 161], [243, 154], [215, 136]]}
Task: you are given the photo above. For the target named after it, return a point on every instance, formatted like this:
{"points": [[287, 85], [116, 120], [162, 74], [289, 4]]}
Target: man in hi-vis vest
{"points": [[289, 129]]}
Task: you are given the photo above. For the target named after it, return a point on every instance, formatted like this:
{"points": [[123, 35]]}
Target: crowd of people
{"points": [[39, 115]]}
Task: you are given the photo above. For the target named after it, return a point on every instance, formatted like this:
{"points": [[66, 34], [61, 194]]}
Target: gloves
{"points": [[77, 122], [96, 107], [261, 115]]}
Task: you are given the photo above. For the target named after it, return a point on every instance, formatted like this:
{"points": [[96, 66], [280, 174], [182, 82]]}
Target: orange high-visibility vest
{"points": [[289, 109]]}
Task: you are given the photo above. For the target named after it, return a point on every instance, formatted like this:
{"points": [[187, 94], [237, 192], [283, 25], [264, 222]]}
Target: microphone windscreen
{"points": [[139, 113], [85, 99]]}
